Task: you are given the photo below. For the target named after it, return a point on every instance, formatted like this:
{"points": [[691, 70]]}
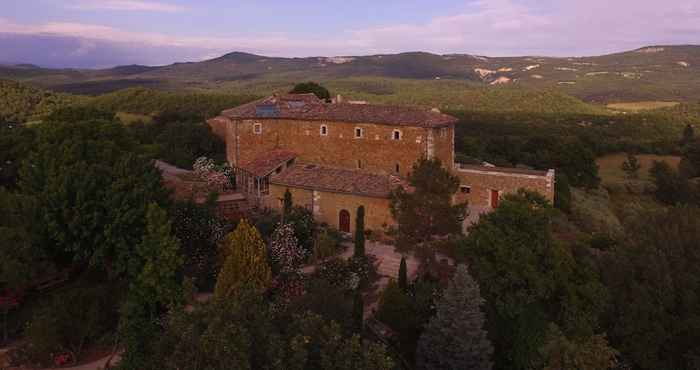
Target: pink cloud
{"points": [[128, 5]]}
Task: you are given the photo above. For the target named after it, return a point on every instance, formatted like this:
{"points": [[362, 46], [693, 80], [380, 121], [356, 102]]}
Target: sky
{"points": [[104, 33]]}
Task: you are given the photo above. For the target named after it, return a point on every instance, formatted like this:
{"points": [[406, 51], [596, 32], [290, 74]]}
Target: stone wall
{"points": [[376, 151], [326, 206], [480, 183]]}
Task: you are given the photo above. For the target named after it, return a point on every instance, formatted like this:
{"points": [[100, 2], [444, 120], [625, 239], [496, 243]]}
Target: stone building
{"points": [[334, 157]]}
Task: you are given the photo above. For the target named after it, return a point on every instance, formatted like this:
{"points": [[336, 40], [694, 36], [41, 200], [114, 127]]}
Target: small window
{"points": [[396, 135], [443, 132], [257, 128], [324, 130], [465, 189], [359, 132], [397, 168], [359, 164]]}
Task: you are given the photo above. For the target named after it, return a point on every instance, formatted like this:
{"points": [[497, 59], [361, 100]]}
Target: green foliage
{"points": [[562, 193], [688, 135], [71, 320], [591, 211], [245, 262], [455, 337], [326, 244], [302, 221], [359, 250], [654, 282], [92, 189], [245, 332], [428, 211], [397, 311], [631, 166], [311, 87], [690, 162], [168, 106], [20, 263], [403, 274], [671, 187], [529, 279], [199, 230], [22, 103], [16, 141], [590, 353], [181, 143], [161, 261], [78, 114]]}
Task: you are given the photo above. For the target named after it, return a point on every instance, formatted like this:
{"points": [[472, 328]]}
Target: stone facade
{"points": [[327, 206], [335, 143]]}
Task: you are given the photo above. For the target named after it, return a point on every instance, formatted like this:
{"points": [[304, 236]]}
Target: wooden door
{"points": [[344, 221], [494, 198]]}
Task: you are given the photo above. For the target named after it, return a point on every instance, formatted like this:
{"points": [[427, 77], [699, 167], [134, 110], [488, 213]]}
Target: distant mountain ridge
{"points": [[662, 72]]}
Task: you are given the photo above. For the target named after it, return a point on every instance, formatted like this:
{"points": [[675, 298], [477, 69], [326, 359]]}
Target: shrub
{"points": [[69, 321]]}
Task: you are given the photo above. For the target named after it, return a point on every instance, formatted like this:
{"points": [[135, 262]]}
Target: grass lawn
{"points": [[610, 166], [130, 118], [642, 105]]}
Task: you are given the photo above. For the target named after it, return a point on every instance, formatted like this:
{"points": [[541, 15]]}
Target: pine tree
{"points": [[360, 232], [403, 274], [454, 338], [245, 261]]}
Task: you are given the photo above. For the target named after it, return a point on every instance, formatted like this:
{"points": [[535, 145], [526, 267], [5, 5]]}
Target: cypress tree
{"points": [[360, 232], [245, 261], [358, 312], [287, 203], [403, 274], [454, 338]]}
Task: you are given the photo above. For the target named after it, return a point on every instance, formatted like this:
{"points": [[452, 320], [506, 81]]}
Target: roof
{"points": [[504, 170], [267, 162], [309, 107], [339, 180]]}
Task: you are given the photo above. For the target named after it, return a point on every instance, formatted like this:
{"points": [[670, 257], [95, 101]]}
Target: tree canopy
{"points": [[311, 87]]}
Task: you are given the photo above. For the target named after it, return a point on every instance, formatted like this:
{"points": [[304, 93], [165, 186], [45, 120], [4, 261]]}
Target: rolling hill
{"points": [[656, 73]]}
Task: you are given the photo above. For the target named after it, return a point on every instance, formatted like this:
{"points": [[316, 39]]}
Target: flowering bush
{"points": [[285, 250], [218, 177]]}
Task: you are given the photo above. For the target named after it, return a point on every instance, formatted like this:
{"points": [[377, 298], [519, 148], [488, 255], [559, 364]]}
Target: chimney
{"points": [[338, 99], [435, 110]]}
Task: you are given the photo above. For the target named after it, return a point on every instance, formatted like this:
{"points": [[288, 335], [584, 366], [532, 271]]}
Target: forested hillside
{"points": [[23, 103]]}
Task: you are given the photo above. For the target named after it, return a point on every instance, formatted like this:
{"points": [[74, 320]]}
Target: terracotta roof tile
{"points": [[340, 180], [308, 107], [266, 163]]}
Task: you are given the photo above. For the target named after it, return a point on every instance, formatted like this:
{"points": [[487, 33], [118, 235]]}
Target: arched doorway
{"points": [[344, 221]]}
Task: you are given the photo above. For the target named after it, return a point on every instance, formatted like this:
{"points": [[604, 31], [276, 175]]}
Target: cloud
{"points": [[127, 5]]}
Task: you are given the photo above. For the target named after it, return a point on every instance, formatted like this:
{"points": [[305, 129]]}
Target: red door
{"points": [[344, 221], [494, 198]]}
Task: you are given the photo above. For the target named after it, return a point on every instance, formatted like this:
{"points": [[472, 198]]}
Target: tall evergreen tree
{"points": [[358, 311], [403, 274], [245, 261], [454, 337], [287, 203], [688, 135], [360, 232]]}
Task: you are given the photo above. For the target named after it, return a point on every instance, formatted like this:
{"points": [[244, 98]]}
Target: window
{"points": [[324, 130], [397, 168], [443, 132], [396, 135], [465, 189], [257, 128], [359, 132], [359, 164]]}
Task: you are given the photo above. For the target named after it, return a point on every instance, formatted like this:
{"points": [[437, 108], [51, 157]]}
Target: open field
{"points": [[610, 166], [642, 105]]}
